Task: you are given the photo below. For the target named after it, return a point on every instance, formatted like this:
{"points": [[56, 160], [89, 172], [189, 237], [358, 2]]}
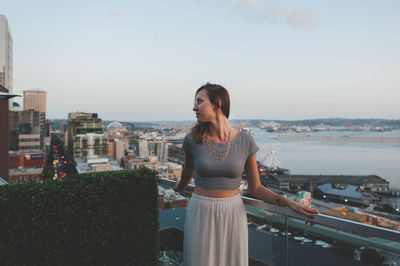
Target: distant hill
{"points": [[58, 123]]}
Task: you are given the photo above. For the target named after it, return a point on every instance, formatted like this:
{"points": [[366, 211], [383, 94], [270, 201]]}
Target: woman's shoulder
{"points": [[244, 136], [248, 143], [188, 137]]}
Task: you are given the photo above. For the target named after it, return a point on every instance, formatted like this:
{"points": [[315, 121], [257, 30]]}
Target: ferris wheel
{"points": [[275, 149]]}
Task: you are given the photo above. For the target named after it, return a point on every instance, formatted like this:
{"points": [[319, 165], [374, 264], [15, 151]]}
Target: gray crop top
{"points": [[226, 175]]}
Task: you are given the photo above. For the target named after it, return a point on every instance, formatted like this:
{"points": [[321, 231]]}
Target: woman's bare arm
{"points": [[259, 191], [187, 174]]}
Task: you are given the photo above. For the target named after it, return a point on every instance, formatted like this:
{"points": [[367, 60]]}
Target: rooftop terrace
{"points": [[278, 236]]}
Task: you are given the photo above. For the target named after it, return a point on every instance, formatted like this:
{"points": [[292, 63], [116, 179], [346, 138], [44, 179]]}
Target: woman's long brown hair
{"points": [[219, 97]]}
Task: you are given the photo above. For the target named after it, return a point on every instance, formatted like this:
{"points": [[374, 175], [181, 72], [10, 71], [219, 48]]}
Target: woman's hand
{"points": [[187, 174], [176, 186], [301, 209]]}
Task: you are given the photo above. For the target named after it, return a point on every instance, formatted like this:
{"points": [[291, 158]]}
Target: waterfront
{"points": [[337, 158]]}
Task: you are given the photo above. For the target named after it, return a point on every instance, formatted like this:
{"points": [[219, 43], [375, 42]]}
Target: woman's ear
{"points": [[219, 104]]}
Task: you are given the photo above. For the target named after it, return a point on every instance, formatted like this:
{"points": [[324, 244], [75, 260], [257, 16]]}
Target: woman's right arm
{"points": [[187, 174]]}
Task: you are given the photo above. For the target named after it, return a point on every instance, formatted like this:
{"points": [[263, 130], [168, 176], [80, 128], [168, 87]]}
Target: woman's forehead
{"points": [[202, 94]]}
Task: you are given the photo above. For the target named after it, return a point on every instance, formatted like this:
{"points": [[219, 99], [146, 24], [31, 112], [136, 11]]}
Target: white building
{"points": [[162, 151], [96, 164], [153, 148], [90, 144], [6, 62], [150, 162], [142, 149], [121, 145]]}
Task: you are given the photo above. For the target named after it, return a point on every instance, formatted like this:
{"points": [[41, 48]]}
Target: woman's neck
{"points": [[219, 129]]}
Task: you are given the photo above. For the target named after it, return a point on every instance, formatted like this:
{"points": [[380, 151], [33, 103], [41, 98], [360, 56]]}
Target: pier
{"points": [[282, 137], [393, 192]]}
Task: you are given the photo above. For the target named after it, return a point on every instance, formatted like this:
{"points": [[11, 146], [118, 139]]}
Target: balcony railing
{"points": [[294, 236]]}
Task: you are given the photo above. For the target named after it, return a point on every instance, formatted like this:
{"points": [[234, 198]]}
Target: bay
{"points": [[335, 158]]}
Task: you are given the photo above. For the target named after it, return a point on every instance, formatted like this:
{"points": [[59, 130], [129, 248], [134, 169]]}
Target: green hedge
{"points": [[107, 218]]}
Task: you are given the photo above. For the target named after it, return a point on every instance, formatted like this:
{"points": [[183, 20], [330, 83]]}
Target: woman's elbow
{"points": [[253, 191]]}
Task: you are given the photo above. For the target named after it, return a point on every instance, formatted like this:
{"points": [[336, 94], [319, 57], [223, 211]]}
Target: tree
{"points": [[48, 171]]}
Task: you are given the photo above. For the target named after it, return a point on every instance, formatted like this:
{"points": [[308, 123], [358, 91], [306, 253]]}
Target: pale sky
{"points": [[143, 60]]}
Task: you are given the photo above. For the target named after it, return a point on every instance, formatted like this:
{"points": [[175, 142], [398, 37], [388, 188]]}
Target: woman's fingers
{"points": [[311, 223]]}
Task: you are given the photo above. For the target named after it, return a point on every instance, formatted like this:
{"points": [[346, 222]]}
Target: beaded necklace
{"points": [[217, 155]]}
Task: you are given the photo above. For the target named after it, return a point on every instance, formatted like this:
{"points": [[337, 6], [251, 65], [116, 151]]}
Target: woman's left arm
{"points": [[259, 191]]}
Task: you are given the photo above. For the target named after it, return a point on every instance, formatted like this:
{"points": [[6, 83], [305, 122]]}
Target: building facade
{"points": [[153, 148], [23, 175], [150, 162], [81, 123], [35, 100], [4, 136], [34, 105], [90, 144], [6, 61], [117, 147], [370, 183], [142, 149], [26, 133]]}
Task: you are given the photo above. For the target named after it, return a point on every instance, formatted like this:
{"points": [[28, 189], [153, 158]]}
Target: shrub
{"points": [[107, 218]]}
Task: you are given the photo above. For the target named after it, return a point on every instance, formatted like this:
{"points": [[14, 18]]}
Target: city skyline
{"points": [[143, 61]]}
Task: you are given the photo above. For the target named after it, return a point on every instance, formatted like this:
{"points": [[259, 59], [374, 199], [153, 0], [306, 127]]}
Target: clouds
{"points": [[268, 12], [114, 13], [301, 19]]}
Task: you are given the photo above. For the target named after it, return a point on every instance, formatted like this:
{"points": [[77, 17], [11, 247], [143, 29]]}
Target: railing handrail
{"points": [[347, 225]]}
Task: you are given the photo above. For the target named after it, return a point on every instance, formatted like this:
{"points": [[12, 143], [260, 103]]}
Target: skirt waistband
{"points": [[198, 197]]}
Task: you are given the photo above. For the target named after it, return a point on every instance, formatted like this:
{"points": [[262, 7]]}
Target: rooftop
{"points": [[278, 236], [350, 191]]}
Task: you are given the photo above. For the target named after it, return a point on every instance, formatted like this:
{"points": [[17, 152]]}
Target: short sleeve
{"points": [[186, 145], [253, 148]]}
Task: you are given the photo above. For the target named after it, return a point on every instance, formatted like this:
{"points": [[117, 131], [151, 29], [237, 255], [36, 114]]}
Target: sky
{"points": [[144, 60]]}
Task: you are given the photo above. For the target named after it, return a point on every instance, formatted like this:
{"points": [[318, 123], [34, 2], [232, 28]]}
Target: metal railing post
{"points": [[286, 242]]}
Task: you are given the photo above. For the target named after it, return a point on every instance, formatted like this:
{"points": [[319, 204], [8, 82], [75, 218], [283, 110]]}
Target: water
{"points": [[336, 158]]}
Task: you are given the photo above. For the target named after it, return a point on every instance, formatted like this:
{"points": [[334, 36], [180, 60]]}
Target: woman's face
{"points": [[204, 109]]}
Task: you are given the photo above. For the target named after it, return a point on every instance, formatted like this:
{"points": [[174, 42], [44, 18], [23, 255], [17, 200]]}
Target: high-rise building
{"points": [[142, 149], [6, 62], [153, 148], [80, 123], [117, 147], [25, 131], [90, 145], [162, 151], [35, 100]]}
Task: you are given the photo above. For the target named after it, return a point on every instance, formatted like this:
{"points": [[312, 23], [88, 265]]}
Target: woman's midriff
{"points": [[215, 193]]}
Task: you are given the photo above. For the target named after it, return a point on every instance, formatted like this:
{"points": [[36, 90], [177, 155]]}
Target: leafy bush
{"points": [[107, 218]]}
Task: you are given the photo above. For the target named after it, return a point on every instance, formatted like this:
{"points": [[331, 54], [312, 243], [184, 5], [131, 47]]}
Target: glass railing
{"points": [[279, 236]]}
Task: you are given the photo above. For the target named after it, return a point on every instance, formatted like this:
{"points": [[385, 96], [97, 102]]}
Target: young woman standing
{"points": [[216, 155]]}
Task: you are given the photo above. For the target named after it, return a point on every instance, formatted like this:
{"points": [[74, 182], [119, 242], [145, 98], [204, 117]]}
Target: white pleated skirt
{"points": [[215, 232]]}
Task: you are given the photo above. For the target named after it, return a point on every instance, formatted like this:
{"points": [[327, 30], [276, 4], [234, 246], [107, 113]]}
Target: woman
{"points": [[216, 154]]}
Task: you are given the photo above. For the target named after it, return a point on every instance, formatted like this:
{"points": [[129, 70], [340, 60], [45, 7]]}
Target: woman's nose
{"points": [[195, 108]]}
